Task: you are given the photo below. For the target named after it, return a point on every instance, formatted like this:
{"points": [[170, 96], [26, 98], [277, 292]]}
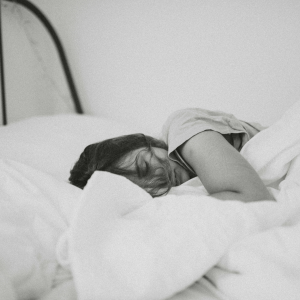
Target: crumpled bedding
{"points": [[265, 265], [122, 244], [35, 210], [119, 243]]}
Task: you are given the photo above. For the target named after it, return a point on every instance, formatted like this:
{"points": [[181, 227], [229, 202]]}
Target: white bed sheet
{"points": [[36, 156], [35, 210]]}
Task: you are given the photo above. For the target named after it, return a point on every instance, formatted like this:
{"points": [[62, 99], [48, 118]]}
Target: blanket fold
{"points": [[123, 244], [161, 247]]}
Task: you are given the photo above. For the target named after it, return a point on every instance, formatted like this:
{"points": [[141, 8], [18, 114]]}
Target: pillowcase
{"points": [[53, 144]]}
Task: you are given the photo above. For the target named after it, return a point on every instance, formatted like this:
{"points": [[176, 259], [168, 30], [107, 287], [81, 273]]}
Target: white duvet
{"points": [[125, 245], [113, 241]]}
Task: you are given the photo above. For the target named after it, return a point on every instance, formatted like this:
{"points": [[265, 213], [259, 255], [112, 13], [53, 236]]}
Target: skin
{"points": [[222, 169], [225, 174], [180, 174]]}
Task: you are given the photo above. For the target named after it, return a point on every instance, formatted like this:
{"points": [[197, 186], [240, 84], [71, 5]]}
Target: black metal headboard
{"points": [[37, 12]]}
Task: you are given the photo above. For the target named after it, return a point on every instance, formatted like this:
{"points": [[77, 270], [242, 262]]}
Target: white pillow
{"points": [[53, 143]]}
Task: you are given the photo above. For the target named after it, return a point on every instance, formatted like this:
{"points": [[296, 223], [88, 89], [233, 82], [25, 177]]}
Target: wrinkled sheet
{"points": [[35, 209], [124, 245]]}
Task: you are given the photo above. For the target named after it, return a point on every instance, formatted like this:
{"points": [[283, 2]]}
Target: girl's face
{"points": [[178, 173], [181, 175]]}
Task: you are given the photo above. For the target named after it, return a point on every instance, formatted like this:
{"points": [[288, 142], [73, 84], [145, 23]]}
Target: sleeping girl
{"points": [[195, 142]]}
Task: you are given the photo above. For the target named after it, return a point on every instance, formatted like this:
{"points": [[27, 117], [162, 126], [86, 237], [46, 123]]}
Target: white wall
{"points": [[139, 60]]}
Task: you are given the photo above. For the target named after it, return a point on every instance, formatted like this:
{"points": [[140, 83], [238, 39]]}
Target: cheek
{"points": [[174, 165], [185, 176]]}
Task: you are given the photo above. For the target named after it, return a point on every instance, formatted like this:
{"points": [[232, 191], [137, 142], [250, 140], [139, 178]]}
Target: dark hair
{"points": [[108, 156]]}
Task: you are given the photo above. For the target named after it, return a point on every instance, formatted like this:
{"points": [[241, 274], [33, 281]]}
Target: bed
{"points": [[113, 241]]}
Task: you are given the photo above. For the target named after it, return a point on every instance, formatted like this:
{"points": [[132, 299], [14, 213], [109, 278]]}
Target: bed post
{"points": [[63, 58], [3, 99]]}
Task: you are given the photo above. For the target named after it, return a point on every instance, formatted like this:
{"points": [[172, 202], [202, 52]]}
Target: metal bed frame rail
{"points": [[63, 58]]}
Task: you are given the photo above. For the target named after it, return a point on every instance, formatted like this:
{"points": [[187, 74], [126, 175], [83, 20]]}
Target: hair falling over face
{"points": [[148, 170], [131, 156]]}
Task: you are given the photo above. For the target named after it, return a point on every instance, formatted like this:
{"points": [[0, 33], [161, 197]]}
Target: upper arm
{"points": [[220, 167]]}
